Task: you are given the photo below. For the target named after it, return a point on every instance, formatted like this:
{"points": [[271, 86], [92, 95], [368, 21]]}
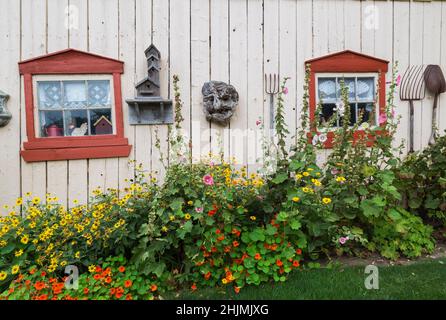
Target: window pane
{"points": [[327, 89], [327, 113], [350, 84], [100, 121], [51, 123], [76, 123], [99, 93], [49, 94], [74, 94], [367, 113], [366, 89]]}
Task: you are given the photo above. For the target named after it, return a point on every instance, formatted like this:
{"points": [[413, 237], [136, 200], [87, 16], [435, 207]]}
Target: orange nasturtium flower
{"points": [[153, 287], [257, 256], [128, 283], [194, 287], [279, 263], [121, 269], [235, 244]]}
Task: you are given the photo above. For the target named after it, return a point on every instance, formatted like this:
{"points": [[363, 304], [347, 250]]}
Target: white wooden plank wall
{"points": [[235, 41]]}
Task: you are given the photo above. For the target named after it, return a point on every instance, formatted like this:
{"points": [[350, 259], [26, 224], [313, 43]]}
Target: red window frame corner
{"points": [[66, 62], [346, 61]]}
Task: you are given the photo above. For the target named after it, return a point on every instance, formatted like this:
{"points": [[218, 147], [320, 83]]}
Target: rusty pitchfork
{"points": [[272, 87]]}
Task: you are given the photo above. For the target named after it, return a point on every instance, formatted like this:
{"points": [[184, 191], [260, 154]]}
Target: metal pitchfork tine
{"points": [[272, 87]]}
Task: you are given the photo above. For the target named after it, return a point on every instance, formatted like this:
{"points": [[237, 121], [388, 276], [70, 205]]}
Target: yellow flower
{"points": [[310, 169], [52, 268], [326, 200], [296, 199], [3, 243], [24, 239], [3, 275], [28, 194], [171, 218], [77, 255], [5, 229], [63, 263], [164, 229], [306, 174], [187, 216], [306, 189], [316, 182], [253, 218], [75, 201], [298, 176], [19, 202], [224, 281], [92, 268], [36, 200], [15, 269], [318, 174], [190, 202], [18, 253], [340, 179]]}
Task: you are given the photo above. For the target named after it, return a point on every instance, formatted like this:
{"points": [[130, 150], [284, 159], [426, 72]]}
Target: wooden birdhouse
{"points": [[103, 126], [5, 115], [148, 107]]}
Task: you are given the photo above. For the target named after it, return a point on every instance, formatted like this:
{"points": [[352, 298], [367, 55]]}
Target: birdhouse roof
{"points": [[144, 81], [152, 48], [100, 119], [3, 94]]}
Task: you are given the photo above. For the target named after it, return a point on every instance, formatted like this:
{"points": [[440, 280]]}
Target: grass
{"points": [[421, 280]]}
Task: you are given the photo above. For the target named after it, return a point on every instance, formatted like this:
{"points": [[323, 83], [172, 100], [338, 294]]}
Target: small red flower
{"points": [[221, 238], [274, 247], [32, 271], [257, 256], [218, 231], [296, 263], [43, 274], [128, 283], [121, 269], [112, 291], [193, 287], [235, 244], [212, 212], [214, 249], [39, 285], [237, 289], [86, 290], [279, 263], [128, 297], [153, 287], [108, 280], [98, 269], [207, 275], [119, 295], [298, 251]]}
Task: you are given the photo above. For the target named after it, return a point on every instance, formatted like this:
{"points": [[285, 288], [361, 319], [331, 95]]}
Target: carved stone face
{"points": [[219, 101]]}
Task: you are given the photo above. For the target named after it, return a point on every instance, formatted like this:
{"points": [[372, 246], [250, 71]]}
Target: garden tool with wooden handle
{"points": [[412, 89], [435, 83], [272, 87]]}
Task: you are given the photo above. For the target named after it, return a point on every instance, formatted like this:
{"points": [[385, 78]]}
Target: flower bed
{"points": [[212, 223]]}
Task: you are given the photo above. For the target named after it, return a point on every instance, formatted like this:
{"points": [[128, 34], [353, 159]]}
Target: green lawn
{"points": [[422, 280]]}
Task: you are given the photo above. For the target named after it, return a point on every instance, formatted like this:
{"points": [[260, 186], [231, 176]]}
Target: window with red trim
{"points": [[73, 105], [362, 74]]}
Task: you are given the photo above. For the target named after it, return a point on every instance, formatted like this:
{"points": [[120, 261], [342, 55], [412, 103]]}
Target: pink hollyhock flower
{"points": [[334, 171], [285, 90], [393, 113], [208, 180], [382, 118], [199, 210], [343, 240], [211, 164], [398, 80], [258, 122]]}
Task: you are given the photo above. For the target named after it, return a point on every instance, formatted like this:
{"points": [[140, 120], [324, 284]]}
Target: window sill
{"points": [[70, 148], [358, 134]]}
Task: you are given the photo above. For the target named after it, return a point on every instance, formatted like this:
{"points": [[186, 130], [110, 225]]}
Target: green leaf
{"points": [[282, 216], [394, 214], [295, 224], [257, 235], [296, 165], [281, 177]]}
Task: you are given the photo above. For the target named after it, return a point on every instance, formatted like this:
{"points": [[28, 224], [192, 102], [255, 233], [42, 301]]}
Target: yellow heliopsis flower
{"points": [[24, 239], [310, 169], [306, 189], [190, 202], [306, 174], [91, 268], [18, 253], [28, 194], [52, 268], [77, 255], [19, 202], [36, 200], [164, 229], [340, 179], [326, 200], [316, 182], [3, 275], [187, 216], [171, 218], [253, 218], [298, 176], [296, 199], [224, 281], [15, 269]]}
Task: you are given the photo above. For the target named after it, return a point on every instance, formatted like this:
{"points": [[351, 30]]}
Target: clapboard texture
{"points": [[235, 41]]}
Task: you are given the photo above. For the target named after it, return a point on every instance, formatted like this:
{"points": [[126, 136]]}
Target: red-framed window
{"points": [[365, 76], [73, 105]]}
